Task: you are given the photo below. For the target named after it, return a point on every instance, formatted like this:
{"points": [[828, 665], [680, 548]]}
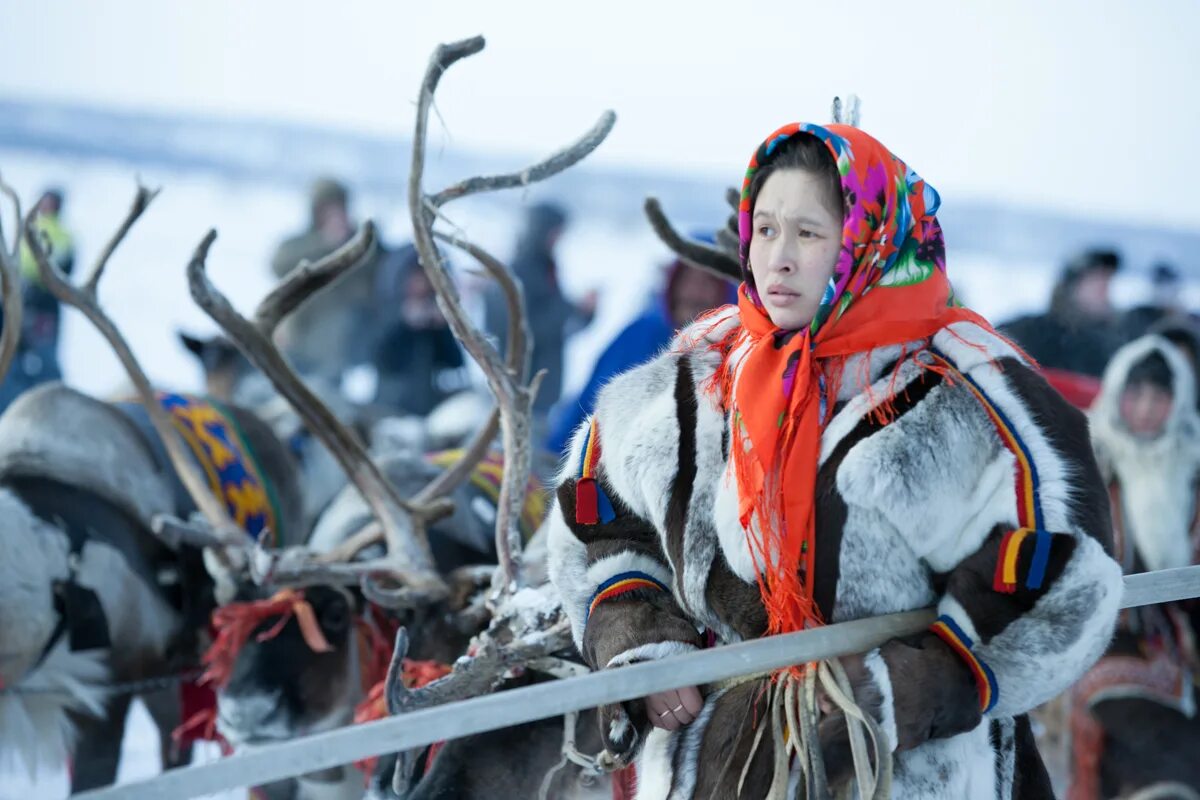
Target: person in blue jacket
{"points": [[688, 293]]}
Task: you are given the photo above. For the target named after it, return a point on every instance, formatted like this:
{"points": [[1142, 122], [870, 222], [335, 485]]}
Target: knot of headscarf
{"points": [[889, 287]]}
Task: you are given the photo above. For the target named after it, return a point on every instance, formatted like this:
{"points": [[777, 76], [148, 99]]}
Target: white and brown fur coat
{"points": [[909, 514]]}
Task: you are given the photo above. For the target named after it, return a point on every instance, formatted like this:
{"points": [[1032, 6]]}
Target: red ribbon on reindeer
{"points": [[236, 622], [233, 625], [414, 675]]}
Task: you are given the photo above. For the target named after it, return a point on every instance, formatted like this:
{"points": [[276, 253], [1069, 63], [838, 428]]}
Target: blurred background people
{"points": [[1081, 329], [552, 317], [688, 292], [37, 359], [417, 358], [43, 314], [326, 335], [1165, 306]]}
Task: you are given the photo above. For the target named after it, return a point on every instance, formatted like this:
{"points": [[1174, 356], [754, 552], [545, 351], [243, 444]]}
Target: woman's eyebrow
{"points": [[801, 219]]}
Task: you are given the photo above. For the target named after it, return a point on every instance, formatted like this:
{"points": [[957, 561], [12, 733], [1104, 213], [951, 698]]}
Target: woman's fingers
{"points": [[672, 709], [692, 701], [660, 712]]}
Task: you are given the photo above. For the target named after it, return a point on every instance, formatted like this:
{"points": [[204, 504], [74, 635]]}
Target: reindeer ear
{"points": [[194, 345]]}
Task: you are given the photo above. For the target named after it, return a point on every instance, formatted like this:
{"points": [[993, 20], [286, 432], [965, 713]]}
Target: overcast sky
{"points": [[1089, 107]]}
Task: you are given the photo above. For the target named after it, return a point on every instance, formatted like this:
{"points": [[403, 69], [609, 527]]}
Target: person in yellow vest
{"points": [[42, 323]]}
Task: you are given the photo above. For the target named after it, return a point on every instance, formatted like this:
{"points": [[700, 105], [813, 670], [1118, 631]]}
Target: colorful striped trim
{"points": [[1041, 558], [623, 583], [592, 505], [985, 681], [252, 462], [1029, 505], [1005, 580]]}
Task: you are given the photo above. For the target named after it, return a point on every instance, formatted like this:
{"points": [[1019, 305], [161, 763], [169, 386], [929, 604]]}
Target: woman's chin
{"points": [[789, 319]]}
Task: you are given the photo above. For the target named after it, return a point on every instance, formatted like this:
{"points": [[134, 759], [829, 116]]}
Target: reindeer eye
{"points": [[335, 618]]}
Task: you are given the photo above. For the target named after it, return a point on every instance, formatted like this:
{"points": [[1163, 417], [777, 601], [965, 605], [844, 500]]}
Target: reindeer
{"points": [[337, 610], [90, 593], [294, 663], [231, 378]]}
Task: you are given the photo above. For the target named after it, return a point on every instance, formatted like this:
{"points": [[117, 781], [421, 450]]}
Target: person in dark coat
{"points": [[1081, 330], [417, 349], [325, 335], [1165, 307], [552, 317], [688, 293]]}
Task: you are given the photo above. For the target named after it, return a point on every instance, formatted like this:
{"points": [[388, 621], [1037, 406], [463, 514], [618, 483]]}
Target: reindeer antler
{"points": [[721, 260], [84, 297], [506, 378], [10, 285], [848, 113], [409, 558]]}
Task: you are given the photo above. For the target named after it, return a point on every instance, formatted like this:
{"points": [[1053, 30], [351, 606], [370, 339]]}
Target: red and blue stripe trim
{"points": [[623, 583], [1030, 519], [985, 680], [592, 505]]}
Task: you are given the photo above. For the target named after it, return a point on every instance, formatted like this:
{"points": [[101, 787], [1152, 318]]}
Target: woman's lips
{"points": [[782, 297]]}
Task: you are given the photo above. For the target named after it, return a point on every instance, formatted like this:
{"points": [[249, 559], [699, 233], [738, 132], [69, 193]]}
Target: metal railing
{"points": [[526, 704]]}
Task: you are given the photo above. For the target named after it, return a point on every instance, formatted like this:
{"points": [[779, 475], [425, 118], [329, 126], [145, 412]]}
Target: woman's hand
{"points": [[673, 709]]}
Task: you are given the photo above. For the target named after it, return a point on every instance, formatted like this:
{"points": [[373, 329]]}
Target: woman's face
{"points": [[1145, 409], [794, 246]]}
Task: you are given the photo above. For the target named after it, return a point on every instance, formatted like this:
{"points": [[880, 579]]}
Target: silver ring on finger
{"points": [[665, 713], [677, 709]]}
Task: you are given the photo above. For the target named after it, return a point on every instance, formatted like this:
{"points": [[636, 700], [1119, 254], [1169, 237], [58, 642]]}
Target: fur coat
{"points": [[911, 513]]}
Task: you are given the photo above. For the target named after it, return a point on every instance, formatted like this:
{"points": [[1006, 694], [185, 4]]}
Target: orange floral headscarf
{"points": [[889, 287]]}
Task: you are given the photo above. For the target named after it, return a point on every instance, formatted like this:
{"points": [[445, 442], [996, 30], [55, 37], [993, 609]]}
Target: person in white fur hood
{"points": [[1146, 434], [1133, 721]]}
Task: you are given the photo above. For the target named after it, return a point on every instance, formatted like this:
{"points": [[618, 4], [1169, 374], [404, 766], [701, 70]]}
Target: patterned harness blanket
{"points": [[220, 450], [486, 477]]}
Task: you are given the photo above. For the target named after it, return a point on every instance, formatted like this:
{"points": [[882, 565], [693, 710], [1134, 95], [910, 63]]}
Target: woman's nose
{"points": [[781, 260]]}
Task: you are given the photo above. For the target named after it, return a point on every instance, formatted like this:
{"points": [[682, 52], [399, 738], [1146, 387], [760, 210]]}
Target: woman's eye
{"points": [[804, 233], [766, 230]]}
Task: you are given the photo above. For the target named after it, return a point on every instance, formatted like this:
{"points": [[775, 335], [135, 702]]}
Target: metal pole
{"points": [[526, 704]]}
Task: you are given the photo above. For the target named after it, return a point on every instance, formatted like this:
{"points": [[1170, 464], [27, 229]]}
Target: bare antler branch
{"points": [[141, 202], [443, 484], [409, 558], [567, 157], [519, 352], [473, 453], [701, 256], [514, 396], [18, 220], [85, 299], [308, 279], [506, 645], [10, 286], [414, 583]]}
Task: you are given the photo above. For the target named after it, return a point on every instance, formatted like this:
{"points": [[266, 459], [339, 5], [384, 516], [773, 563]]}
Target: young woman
{"points": [[1132, 715], [845, 442]]}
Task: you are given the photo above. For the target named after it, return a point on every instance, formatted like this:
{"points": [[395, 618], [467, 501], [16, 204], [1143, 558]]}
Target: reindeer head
{"points": [[224, 365], [291, 664]]}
